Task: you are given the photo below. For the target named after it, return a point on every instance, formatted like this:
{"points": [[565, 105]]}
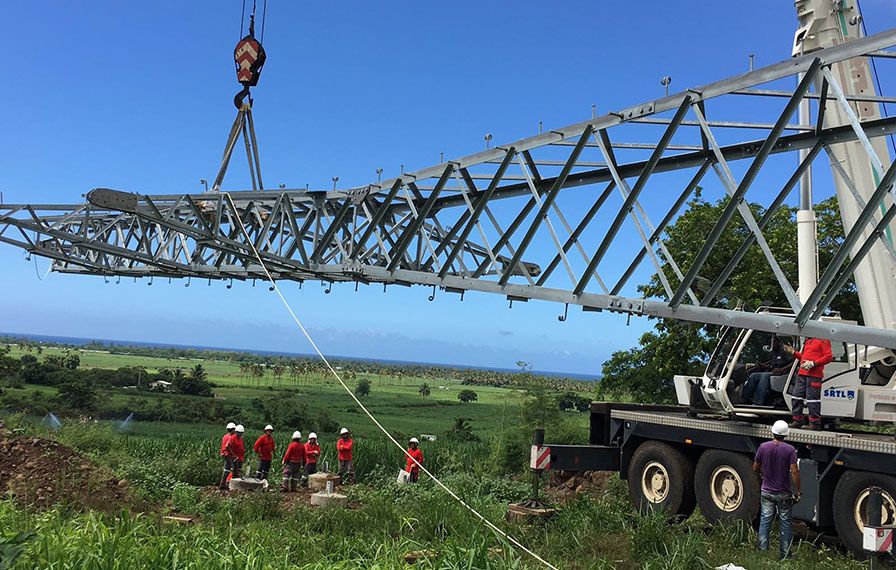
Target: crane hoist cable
{"points": [[248, 57], [874, 72]]}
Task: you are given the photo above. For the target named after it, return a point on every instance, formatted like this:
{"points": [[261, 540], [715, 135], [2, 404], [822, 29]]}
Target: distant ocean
{"points": [[77, 341]]}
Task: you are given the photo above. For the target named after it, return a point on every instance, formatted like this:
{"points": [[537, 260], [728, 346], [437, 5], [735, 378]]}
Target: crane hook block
{"points": [[249, 57]]}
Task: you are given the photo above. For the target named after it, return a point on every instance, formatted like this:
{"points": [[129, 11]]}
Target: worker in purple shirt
{"points": [[776, 463]]}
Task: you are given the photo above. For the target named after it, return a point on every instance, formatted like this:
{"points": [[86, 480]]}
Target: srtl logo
{"points": [[840, 393]]}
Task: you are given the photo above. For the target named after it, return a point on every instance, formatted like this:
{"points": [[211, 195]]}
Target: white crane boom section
{"points": [[828, 23]]}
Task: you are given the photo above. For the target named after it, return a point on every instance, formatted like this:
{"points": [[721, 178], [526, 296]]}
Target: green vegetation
{"points": [[481, 452], [467, 396], [362, 390]]}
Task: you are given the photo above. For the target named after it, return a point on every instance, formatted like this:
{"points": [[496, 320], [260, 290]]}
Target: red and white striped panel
{"points": [[540, 457], [878, 539], [246, 55]]}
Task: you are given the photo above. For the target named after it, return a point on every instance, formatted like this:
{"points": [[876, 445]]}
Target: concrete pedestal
{"points": [[324, 499], [248, 484], [318, 481], [520, 513]]}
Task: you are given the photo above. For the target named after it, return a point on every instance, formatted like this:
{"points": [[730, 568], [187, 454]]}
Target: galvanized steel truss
{"points": [[507, 220]]}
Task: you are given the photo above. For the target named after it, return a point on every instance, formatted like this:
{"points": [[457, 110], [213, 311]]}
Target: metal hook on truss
{"points": [[384, 287], [118, 281], [209, 282], [105, 279], [329, 288], [230, 285], [188, 282], [562, 318], [432, 297], [150, 281], [356, 286], [271, 288], [510, 306]]}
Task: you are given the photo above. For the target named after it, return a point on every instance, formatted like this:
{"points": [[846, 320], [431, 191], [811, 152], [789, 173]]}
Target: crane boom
{"points": [[537, 218], [858, 166]]}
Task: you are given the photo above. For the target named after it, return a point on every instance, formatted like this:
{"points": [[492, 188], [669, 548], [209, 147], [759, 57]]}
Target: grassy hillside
{"points": [[171, 467]]}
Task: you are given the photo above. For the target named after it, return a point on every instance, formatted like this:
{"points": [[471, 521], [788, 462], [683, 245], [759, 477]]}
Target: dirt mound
{"points": [[40, 473], [565, 485]]}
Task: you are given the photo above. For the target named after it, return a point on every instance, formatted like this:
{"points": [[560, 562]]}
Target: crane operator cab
{"points": [[749, 374]]}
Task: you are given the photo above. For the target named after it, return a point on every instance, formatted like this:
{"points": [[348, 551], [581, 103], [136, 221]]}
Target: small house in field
{"points": [[160, 385]]}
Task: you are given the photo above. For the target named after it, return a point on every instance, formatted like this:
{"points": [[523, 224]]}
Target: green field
{"points": [[170, 466], [395, 401]]}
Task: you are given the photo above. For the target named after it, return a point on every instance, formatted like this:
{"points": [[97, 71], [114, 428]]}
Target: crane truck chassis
{"points": [[676, 459]]}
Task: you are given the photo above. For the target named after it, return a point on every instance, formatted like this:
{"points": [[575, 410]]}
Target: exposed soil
{"points": [[40, 473], [565, 485]]}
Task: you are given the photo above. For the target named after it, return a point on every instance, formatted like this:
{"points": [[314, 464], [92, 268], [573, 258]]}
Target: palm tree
{"points": [[198, 373], [277, 370], [424, 390]]}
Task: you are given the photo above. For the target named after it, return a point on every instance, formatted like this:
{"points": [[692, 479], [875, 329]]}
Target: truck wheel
{"points": [[660, 479], [850, 498], [726, 486]]}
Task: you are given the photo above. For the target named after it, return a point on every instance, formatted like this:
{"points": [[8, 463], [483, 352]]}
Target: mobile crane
{"points": [[677, 458], [418, 229]]}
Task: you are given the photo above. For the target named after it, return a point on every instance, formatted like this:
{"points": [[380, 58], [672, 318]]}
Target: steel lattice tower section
{"points": [[539, 218]]}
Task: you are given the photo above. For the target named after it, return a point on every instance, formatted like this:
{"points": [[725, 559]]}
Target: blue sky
{"points": [[137, 96]]}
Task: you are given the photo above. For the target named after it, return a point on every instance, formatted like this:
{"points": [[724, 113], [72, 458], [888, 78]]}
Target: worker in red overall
{"points": [[344, 456], [292, 463], [236, 448], [810, 374], [225, 455], [413, 468], [312, 454], [264, 449]]}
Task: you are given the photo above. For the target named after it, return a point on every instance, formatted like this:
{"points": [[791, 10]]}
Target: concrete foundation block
{"points": [[318, 481], [325, 500]]}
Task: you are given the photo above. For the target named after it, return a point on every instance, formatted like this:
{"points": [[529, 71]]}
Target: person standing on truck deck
{"points": [[226, 456], [264, 448], [312, 454], [344, 456], [292, 463], [237, 448], [413, 468], [776, 463], [810, 374]]}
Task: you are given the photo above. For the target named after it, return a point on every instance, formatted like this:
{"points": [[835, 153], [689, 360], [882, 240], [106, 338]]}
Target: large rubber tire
{"points": [[660, 479], [726, 487], [849, 499]]}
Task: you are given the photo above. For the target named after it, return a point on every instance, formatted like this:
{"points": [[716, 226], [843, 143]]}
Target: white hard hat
{"points": [[297, 435], [414, 440], [231, 425], [240, 428], [312, 435], [343, 431], [781, 428], [268, 427]]}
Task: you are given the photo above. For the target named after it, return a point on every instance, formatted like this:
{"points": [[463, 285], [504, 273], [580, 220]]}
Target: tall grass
{"points": [[387, 521]]}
